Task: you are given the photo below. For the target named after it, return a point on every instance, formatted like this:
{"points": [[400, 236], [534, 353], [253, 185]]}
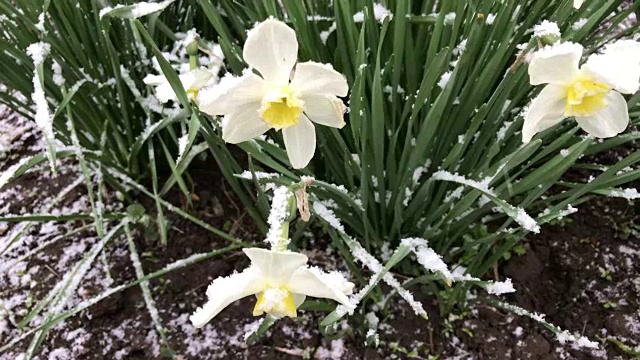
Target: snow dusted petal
{"points": [[154, 79], [624, 47], [192, 82], [545, 111], [231, 94], [164, 92], [315, 78], [298, 299], [556, 64], [277, 266], [243, 124], [272, 49], [225, 290], [313, 282], [608, 121], [300, 141], [196, 79], [618, 66], [325, 110]]}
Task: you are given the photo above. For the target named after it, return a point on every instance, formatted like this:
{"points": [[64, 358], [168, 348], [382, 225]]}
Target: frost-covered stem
{"points": [[291, 215], [144, 286], [99, 212], [96, 209], [283, 207], [562, 336], [283, 243], [380, 272], [43, 117]]}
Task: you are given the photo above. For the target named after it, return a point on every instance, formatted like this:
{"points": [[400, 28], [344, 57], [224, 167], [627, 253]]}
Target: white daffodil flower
{"points": [[280, 280], [252, 104], [192, 82], [590, 94]]}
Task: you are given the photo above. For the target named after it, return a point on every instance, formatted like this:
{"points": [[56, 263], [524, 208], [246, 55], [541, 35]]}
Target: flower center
{"points": [[585, 97], [276, 301], [281, 108], [192, 93]]}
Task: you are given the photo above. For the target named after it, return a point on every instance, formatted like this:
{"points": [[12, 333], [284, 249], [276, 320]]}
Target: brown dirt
{"points": [[583, 274]]}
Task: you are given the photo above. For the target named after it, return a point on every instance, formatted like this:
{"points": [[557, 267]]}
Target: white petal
{"points": [[300, 141], [313, 282], [278, 266], [316, 78], [243, 124], [154, 79], [196, 79], [298, 299], [608, 121], [624, 47], [272, 49], [325, 110], [546, 110], [577, 3], [556, 64], [230, 94], [164, 92], [618, 66], [225, 290]]}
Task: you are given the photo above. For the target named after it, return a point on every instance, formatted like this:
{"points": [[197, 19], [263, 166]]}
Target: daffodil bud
{"points": [[549, 39], [547, 32], [192, 48]]}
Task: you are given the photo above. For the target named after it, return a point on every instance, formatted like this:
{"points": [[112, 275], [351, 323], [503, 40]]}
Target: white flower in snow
{"points": [[279, 279], [590, 93], [253, 104], [192, 82]]}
